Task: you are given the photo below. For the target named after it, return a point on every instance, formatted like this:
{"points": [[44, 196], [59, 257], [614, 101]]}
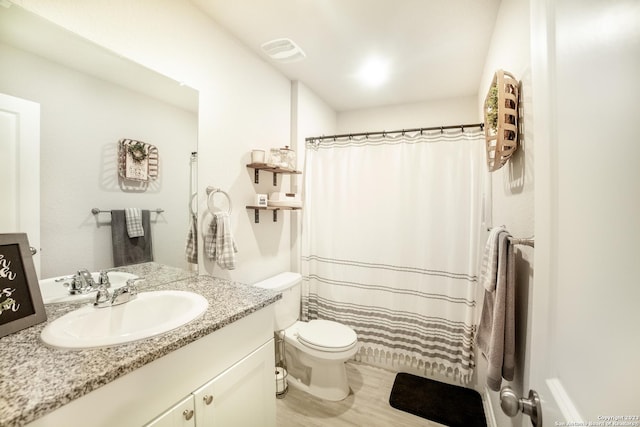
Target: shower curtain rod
{"points": [[403, 131]]}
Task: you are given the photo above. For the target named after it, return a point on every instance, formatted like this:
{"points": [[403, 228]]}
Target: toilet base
{"points": [[320, 387], [321, 378]]}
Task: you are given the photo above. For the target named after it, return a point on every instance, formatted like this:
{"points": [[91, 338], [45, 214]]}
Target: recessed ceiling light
{"points": [[374, 72], [283, 50]]}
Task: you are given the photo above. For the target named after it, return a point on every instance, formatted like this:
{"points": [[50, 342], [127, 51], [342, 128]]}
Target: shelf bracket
{"points": [[256, 215], [256, 176], [275, 215], [275, 179]]}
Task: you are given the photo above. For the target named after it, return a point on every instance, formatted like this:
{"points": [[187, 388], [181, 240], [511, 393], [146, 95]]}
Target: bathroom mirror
{"points": [[89, 99]]}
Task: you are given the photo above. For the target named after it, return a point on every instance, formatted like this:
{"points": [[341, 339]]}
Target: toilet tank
{"points": [[287, 309]]}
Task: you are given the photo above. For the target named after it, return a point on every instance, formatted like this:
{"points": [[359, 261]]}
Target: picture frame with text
{"points": [[21, 303]]}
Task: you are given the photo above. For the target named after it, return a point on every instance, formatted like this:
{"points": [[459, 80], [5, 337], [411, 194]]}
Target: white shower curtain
{"points": [[389, 244]]}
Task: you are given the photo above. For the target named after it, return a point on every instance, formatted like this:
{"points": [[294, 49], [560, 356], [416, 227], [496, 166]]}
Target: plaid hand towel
{"points": [[191, 250], [219, 243], [133, 217]]}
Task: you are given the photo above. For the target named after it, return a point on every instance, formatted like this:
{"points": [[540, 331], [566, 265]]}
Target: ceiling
{"points": [[434, 49], [32, 33]]}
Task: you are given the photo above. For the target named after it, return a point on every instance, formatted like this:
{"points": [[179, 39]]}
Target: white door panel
{"points": [[20, 169], [586, 91]]}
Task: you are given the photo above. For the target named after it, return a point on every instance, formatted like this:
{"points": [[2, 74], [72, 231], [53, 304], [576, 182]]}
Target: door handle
{"points": [[511, 404]]}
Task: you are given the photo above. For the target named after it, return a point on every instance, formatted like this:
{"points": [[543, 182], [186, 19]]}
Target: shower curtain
{"points": [[390, 241]]}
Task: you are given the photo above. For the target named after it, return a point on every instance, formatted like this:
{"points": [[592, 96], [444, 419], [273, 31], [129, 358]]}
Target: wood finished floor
{"points": [[367, 404]]}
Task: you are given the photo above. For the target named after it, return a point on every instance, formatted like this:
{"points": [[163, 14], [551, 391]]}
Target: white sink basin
{"points": [[53, 291], [149, 314]]}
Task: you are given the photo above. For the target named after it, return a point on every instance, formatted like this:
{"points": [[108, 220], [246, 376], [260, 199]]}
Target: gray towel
{"points": [[496, 332], [130, 250]]}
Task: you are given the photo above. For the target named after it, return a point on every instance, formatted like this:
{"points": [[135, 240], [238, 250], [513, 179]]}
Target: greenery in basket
{"points": [[137, 151], [492, 108]]}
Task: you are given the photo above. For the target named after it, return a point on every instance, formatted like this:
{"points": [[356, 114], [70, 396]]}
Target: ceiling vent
{"points": [[283, 50]]}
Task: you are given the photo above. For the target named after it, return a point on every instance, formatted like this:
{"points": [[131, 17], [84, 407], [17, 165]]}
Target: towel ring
{"points": [[211, 191]]}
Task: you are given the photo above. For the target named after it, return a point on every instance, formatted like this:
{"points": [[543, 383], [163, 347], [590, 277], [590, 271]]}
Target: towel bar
{"points": [[96, 211], [527, 242]]}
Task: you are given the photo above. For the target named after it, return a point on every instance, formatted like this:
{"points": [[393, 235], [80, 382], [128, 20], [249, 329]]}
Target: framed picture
{"points": [[20, 298]]}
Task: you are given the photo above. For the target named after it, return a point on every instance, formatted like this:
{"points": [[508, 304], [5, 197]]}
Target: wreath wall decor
{"points": [[137, 160], [138, 151], [501, 119]]}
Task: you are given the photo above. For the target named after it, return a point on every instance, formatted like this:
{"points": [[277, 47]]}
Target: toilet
{"points": [[315, 351]]}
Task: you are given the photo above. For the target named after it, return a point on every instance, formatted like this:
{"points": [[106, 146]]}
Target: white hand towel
{"points": [[133, 217], [219, 243], [489, 267]]}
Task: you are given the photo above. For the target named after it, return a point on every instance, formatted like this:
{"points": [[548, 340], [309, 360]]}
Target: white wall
{"points": [[244, 104], [82, 119], [452, 111], [512, 186]]}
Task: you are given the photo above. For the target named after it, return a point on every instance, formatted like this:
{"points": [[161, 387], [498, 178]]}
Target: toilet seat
{"points": [[326, 335]]}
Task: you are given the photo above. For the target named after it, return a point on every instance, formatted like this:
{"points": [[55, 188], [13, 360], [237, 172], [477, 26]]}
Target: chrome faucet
{"points": [[103, 279], [120, 295], [82, 282]]}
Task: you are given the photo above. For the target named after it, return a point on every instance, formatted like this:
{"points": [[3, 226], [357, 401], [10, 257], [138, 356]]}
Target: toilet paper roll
{"points": [[281, 380]]}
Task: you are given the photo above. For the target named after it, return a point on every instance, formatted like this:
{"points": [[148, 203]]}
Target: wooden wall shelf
{"points": [[275, 209], [270, 168]]}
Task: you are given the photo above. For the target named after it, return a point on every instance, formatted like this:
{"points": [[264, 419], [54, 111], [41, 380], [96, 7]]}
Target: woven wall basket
{"points": [[501, 119]]}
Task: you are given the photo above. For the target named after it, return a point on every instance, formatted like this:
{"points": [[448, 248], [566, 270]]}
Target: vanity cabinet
{"points": [[234, 365], [224, 400]]}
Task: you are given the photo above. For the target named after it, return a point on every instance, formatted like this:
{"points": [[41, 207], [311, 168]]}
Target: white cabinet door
{"points": [[243, 395], [180, 415]]}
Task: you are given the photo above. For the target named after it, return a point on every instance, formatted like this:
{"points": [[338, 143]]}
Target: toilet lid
{"points": [[327, 335]]}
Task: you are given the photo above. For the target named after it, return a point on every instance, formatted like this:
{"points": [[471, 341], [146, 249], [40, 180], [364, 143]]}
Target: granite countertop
{"points": [[36, 379]]}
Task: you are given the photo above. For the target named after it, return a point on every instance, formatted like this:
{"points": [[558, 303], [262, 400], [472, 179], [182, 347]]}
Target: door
{"points": [[20, 169], [586, 92], [243, 395], [180, 415]]}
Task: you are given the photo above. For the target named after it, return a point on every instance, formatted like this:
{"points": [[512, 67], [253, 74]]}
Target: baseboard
{"points": [[488, 409], [563, 401]]}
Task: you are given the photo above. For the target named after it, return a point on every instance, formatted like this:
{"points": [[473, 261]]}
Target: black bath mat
{"points": [[443, 403]]}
